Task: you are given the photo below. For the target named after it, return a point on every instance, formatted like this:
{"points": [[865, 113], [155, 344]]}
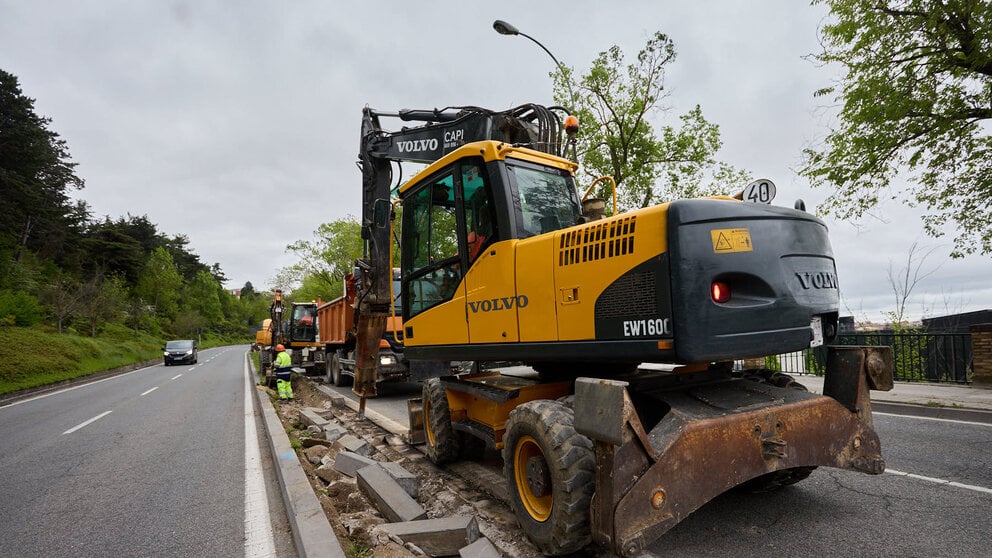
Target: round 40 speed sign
{"points": [[760, 191]]}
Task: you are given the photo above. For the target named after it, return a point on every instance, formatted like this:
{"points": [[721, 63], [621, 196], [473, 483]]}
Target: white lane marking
{"points": [[259, 540], [149, 391], [92, 420], [44, 395], [177, 376], [941, 481], [933, 418]]}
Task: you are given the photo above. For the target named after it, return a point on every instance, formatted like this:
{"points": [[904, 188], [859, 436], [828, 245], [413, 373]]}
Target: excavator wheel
{"points": [[549, 467], [777, 479], [334, 372], [443, 443]]}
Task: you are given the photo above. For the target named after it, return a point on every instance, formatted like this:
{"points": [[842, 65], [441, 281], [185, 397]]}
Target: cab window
{"points": [[547, 198], [430, 245], [480, 223]]}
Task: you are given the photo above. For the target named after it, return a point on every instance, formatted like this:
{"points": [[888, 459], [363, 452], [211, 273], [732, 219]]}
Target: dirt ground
{"points": [[467, 488]]}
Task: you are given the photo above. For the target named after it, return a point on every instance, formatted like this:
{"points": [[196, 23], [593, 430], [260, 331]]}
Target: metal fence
{"points": [[917, 357]]}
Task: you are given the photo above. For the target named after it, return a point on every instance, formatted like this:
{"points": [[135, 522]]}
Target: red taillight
{"points": [[720, 291]]}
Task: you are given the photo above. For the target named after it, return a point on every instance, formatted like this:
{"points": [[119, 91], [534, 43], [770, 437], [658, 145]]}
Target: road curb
{"points": [[312, 533]]}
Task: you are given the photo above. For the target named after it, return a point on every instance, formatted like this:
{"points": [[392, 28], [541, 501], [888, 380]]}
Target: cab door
{"points": [[490, 291], [433, 295]]}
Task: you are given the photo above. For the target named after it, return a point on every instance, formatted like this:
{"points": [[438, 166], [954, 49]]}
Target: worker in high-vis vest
{"points": [[283, 366]]}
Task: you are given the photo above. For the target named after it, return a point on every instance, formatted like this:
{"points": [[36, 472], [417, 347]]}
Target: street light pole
{"points": [[504, 28]]}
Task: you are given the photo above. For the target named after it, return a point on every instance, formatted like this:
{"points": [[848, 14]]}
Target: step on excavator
{"points": [[502, 261]]}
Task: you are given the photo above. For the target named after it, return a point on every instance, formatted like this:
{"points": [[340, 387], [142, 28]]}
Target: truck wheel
{"points": [[549, 467], [442, 441], [338, 377], [777, 479]]}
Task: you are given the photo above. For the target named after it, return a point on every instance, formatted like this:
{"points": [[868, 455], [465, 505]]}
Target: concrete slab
{"points": [[388, 496], [404, 478], [334, 431], [311, 417], [353, 444], [445, 536], [481, 548], [348, 463]]}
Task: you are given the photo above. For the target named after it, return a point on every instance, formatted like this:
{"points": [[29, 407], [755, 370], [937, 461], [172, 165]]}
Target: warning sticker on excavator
{"points": [[726, 241]]}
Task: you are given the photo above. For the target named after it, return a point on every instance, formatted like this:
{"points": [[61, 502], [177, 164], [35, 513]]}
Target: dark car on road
{"points": [[181, 351]]}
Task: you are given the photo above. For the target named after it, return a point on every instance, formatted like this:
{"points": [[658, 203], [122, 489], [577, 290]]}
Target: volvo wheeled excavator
{"points": [[499, 262]]}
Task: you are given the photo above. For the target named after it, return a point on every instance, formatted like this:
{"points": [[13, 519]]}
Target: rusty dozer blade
{"points": [[717, 435]]}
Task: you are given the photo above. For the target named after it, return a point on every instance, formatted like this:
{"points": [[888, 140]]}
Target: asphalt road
{"points": [[935, 498], [162, 461]]}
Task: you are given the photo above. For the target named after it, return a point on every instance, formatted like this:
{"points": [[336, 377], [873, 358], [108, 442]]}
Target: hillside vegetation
{"points": [[31, 357]]}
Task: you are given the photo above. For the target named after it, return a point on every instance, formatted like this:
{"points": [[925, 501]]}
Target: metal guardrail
{"points": [[918, 357]]}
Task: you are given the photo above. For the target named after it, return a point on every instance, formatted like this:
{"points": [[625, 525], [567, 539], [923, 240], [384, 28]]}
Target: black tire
{"points": [[166, 363], [777, 479], [338, 377], [548, 468], [773, 481], [443, 444], [772, 377]]}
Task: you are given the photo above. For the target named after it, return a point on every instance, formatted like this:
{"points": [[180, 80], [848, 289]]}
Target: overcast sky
{"points": [[237, 123]]}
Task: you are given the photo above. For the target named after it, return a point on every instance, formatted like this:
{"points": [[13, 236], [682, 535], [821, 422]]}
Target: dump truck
{"points": [[502, 260], [297, 332], [338, 321]]}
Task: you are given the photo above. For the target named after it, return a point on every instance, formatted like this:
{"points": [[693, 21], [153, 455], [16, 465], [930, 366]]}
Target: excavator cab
{"points": [[303, 323], [459, 208]]}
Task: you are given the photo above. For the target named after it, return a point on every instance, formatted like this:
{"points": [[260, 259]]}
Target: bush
{"points": [[19, 308]]}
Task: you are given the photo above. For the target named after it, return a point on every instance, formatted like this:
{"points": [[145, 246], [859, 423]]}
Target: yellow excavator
{"points": [[500, 262], [295, 328]]}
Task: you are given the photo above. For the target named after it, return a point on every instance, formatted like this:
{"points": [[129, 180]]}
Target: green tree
{"points": [[102, 300], [202, 295], [615, 103], [914, 117], [248, 291], [327, 259], [159, 284], [112, 247], [187, 263], [61, 296], [36, 176]]}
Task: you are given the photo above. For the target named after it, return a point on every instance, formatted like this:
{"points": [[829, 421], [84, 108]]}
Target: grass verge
{"points": [[32, 357]]}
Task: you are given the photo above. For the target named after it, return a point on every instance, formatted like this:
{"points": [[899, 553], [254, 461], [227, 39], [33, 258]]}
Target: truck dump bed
{"points": [[337, 321]]}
